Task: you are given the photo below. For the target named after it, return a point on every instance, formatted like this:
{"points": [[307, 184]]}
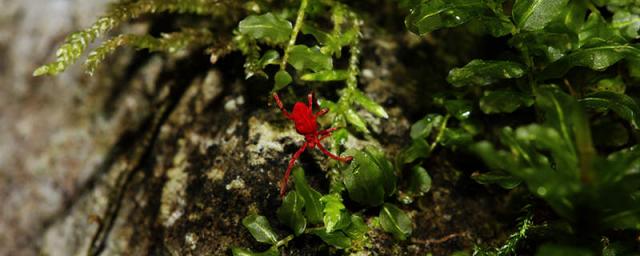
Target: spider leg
{"points": [[322, 112], [285, 179], [326, 152], [279, 103], [310, 98], [326, 133]]}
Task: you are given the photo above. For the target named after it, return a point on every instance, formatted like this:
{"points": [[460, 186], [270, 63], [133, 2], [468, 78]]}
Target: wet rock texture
{"points": [[159, 155]]}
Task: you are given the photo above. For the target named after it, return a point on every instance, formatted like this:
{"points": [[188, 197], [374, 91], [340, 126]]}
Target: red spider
{"points": [[306, 125]]}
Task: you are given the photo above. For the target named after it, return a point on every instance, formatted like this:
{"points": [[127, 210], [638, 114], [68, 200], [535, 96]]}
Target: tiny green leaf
{"points": [[503, 179], [336, 216], [419, 181], [596, 58], [357, 229], [236, 251], [536, 14], [395, 221], [268, 58], [326, 76], [625, 106], [313, 206], [369, 177], [267, 26], [423, 127], [282, 79], [290, 212], [436, 14], [303, 58], [418, 149], [260, 229], [369, 104], [355, 119], [460, 109], [337, 239], [481, 72], [455, 137], [504, 101]]}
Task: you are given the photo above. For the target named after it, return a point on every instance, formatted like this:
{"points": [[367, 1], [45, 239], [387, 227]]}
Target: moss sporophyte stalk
{"points": [[530, 105]]}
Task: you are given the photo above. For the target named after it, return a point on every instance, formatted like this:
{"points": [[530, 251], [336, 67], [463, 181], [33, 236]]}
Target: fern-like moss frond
{"points": [[169, 42], [76, 43]]}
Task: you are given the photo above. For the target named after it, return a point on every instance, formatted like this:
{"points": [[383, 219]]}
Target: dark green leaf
{"points": [[423, 127], [326, 76], [313, 206], [395, 221], [336, 216], [290, 212], [481, 72], [337, 239], [455, 137], [369, 104], [418, 149], [536, 14], [273, 251], [597, 58], [551, 46], [282, 79], [504, 101], [266, 26], [268, 58], [260, 229], [357, 229], [625, 106], [460, 109], [557, 250], [597, 31], [437, 14], [369, 177], [419, 181], [503, 179], [303, 58]]}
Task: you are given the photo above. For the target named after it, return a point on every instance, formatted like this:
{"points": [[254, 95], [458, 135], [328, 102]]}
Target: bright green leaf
{"points": [[268, 58], [303, 58], [273, 251], [504, 101], [455, 137], [326, 76], [436, 14], [481, 72], [536, 14], [337, 239], [369, 104], [395, 221], [355, 119], [627, 22], [260, 229], [267, 26], [290, 212], [282, 79], [312, 206], [336, 216]]}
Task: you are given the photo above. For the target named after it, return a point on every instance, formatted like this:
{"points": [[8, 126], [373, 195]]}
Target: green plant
{"points": [[554, 44]]}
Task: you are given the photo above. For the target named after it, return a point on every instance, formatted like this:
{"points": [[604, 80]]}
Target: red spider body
{"points": [[307, 125]]}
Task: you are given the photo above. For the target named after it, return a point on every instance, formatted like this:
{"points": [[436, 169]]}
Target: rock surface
{"points": [[165, 155]]}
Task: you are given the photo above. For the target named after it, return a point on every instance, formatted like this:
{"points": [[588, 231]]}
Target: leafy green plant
{"points": [[555, 156]]}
